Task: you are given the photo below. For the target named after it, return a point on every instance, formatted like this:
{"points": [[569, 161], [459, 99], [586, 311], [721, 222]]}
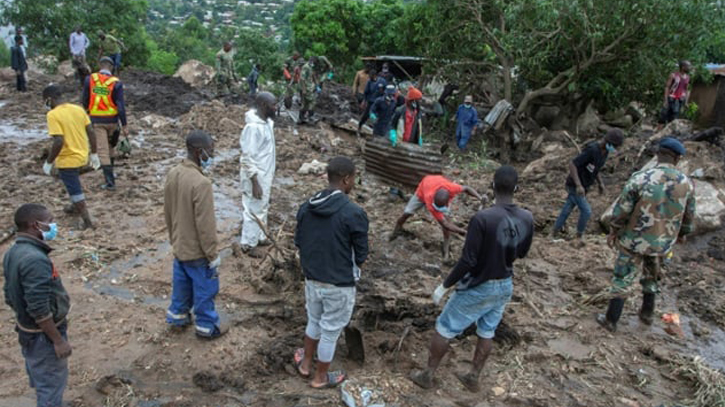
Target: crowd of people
{"points": [[655, 210]]}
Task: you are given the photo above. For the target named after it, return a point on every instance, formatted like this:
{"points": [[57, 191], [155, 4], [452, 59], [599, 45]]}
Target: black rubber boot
{"points": [[614, 312], [646, 313], [108, 175]]}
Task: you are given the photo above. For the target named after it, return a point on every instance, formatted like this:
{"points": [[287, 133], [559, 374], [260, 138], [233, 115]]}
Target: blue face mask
{"points": [[467, 105], [51, 233], [611, 149], [441, 209], [206, 164]]}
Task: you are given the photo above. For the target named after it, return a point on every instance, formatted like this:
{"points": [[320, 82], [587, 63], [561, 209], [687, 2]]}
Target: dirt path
{"points": [[118, 276]]}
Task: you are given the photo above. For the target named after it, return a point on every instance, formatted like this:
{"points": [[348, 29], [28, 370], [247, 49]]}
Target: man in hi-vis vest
{"points": [[103, 99]]}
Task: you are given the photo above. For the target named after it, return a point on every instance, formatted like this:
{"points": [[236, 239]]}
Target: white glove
{"points": [[47, 167], [216, 263], [439, 293], [95, 162]]}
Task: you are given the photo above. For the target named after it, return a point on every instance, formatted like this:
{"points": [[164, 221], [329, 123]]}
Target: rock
{"points": [[7, 75], [636, 110], [155, 121], [710, 202], [628, 402], [541, 167], [589, 121], [546, 115], [314, 167], [624, 122], [498, 391], [195, 73], [65, 69]]}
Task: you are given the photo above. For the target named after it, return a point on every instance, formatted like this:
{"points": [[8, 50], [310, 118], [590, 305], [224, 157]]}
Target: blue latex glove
{"points": [[373, 117], [393, 137], [330, 75], [420, 141], [318, 89]]}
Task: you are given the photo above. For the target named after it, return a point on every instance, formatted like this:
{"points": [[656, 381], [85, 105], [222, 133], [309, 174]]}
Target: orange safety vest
{"points": [[101, 96]]}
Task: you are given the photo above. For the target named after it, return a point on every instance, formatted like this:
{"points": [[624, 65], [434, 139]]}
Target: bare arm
{"points": [[472, 192], [55, 148], [91, 138], [448, 225], [668, 86], [575, 175]]}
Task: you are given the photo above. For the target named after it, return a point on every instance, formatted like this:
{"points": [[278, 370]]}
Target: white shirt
{"points": [[78, 43]]}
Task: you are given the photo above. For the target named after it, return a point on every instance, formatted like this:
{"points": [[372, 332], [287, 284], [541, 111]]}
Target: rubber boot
{"points": [[82, 209], [614, 312], [646, 313], [110, 178]]}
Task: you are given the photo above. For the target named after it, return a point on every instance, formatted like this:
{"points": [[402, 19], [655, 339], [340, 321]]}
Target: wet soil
{"points": [[549, 350]]}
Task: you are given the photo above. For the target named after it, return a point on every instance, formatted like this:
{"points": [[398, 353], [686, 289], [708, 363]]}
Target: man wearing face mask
{"points": [[382, 112], [257, 164], [190, 221], [72, 134], [435, 193], [467, 118], [34, 290], [105, 103], [583, 172], [406, 124]]}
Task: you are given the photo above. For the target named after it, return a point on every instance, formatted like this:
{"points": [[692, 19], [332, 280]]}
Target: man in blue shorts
{"points": [[483, 279], [72, 134]]}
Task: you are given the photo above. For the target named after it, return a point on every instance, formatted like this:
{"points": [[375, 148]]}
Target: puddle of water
{"points": [[3, 103], [228, 209], [109, 283], [10, 133], [711, 347]]}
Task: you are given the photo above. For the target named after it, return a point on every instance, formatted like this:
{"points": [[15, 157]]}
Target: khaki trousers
{"points": [[104, 131]]}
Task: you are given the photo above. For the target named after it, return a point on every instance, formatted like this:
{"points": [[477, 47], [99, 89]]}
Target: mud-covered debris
{"points": [[207, 381], [107, 384], [313, 167]]}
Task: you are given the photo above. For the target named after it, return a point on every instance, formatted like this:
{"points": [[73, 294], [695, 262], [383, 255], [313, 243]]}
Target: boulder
{"points": [[65, 69], [195, 73], [710, 202], [589, 121], [7, 75], [546, 115], [624, 122], [313, 167]]}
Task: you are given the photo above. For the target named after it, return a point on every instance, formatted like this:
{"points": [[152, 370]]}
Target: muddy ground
{"points": [[118, 276]]}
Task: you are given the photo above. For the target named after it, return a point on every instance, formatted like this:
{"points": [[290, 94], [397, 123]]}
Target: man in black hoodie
{"points": [[332, 236]]}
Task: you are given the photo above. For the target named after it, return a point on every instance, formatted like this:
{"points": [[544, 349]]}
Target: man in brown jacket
{"points": [[189, 213]]}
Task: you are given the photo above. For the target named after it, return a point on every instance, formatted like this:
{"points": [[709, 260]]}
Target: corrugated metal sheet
{"points": [[403, 165]]}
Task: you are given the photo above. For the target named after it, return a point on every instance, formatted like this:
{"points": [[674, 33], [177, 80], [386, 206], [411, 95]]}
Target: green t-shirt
{"points": [[110, 45]]}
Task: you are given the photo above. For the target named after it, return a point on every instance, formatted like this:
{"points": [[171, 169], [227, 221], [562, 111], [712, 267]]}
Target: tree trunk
{"points": [[507, 83]]}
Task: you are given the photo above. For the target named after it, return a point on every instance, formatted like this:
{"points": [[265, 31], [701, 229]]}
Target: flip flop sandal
{"points": [[334, 379], [298, 358]]}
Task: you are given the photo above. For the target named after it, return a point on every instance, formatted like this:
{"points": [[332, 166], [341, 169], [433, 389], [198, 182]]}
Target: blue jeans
{"points": [[116, 61], [71, 178], [194, 284], [483, 304], [48, 374], [462, 137], [585, 211]]}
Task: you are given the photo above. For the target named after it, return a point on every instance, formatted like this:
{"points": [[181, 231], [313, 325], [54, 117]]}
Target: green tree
{"points": [[161, 61], [4, 54], [557, 46], [48, 24], [253, 47], [333, 28], [190, 41]]}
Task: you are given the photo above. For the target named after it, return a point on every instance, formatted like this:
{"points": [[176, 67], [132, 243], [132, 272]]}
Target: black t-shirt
{"points": [[588, 164], [496, 237]]}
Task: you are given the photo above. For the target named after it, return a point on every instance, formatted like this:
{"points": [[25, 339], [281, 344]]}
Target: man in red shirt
{"points": [[676, 92], [435, 192]]}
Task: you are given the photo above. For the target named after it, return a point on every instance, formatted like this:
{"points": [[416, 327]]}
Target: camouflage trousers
{"points": [[309, 101], [631, 267], [225, 84]]}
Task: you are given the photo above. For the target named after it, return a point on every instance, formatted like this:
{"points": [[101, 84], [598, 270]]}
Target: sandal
{"points": [[298, 358], [333, 380]]}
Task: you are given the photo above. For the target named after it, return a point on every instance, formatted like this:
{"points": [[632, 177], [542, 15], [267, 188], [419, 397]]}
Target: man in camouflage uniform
{"points": [[308, 88], [656, 209], [226, 79]]}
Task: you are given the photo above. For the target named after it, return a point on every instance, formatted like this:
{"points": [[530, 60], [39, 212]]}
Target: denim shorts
{"points": [[483, 304], [71, 178]]}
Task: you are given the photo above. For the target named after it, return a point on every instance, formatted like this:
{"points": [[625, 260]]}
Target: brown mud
{"points": [[549, 351]]}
